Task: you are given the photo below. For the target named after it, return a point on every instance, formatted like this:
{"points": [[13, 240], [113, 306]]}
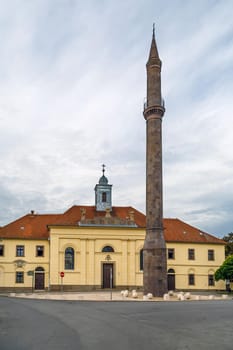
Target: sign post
{"points": [[62, 274], [111, 281]]}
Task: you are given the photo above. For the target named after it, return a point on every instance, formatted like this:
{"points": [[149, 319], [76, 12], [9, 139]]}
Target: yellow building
{"points": [[100, 246]]}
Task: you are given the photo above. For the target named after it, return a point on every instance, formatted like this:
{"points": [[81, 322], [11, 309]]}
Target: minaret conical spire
{"points": [[153, 55], [153, 67]]}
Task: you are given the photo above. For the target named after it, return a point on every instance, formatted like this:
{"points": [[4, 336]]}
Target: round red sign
{"points": [[62, 274]]}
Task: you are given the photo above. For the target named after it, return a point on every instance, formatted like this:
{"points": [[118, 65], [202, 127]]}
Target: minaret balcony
{"points": [[156, 110], [162, 104]]}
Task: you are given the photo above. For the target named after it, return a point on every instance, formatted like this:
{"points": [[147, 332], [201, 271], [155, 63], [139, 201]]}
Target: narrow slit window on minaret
{"points": [[104, 197]]}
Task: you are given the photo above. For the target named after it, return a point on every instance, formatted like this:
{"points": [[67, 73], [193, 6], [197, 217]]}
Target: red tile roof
{"points": [[176, 230], [29, 227], [35, 226]]}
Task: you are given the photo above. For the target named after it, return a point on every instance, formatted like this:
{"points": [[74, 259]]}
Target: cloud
{"points": [[72, 84]]}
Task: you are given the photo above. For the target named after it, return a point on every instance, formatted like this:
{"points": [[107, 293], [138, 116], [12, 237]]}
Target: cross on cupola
{"points": [[103, 170], [103, 193]]}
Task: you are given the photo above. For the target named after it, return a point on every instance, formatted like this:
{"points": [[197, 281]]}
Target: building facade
{"points": [[100, 247]]}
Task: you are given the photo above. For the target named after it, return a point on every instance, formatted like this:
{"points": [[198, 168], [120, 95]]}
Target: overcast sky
{"points": [[72, 86]]}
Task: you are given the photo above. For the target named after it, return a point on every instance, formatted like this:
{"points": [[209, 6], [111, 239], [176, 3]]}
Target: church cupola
{"points": [[103, 193]]}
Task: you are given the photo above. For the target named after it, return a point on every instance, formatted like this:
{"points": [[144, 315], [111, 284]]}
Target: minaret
{"points": [[154, 251]]}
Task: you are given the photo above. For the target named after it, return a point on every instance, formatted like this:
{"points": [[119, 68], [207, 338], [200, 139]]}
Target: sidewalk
{"points": [[117, 296], [92, 296]]}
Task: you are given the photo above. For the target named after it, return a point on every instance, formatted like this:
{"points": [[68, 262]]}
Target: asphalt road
{"points": [[48, 324]]}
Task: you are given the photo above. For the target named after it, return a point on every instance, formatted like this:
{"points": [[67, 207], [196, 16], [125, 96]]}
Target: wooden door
{"points": [[39, 280], [171, 282], [108, 276]]}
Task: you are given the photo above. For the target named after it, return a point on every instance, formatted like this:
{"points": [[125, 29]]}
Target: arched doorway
{"points": [[39, 278], [171, 279]]}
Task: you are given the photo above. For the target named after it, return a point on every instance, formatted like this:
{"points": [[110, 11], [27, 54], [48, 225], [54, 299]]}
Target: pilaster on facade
{"points": [[91, 262], [124, 263], [131, 263], [83, 256]]}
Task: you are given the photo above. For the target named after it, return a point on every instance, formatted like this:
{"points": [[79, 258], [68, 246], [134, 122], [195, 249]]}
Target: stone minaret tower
{"points": [[154, 251]]}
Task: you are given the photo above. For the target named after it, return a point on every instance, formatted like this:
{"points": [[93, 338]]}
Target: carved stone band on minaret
{"points": [[153, 112]]}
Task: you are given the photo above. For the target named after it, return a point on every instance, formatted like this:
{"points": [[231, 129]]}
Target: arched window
{"points": [[171, 271], [69, 258], [141, 260], [107, 249]]}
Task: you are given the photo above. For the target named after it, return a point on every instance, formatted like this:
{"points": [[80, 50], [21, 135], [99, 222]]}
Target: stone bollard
{"points": [[171, 293], [180, 296], [166, 297], [150, 295], [145, 297], [134, 294], [187, 296], [126, 293]]}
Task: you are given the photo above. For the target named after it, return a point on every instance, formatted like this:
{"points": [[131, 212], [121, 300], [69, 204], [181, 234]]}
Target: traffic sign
{"points": [[62, 274]]}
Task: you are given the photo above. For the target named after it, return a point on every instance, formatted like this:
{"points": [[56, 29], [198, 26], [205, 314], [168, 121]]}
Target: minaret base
{"points": [[155, 264]]}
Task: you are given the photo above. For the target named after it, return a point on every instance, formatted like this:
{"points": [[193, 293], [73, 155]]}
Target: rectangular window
{"points": [[39, 250], [210, 280], [191, 279], [1, 250], [104, 197], [210, 254], [171, 253], [20, 250], [191, 254], [19, 278]]}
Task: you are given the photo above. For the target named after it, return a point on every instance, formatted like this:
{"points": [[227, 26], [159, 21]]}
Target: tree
{"points": [[229, 246], [225, 271]]}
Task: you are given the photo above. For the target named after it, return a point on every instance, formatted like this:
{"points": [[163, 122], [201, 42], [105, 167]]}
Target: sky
{"points": [[72, 86]]}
